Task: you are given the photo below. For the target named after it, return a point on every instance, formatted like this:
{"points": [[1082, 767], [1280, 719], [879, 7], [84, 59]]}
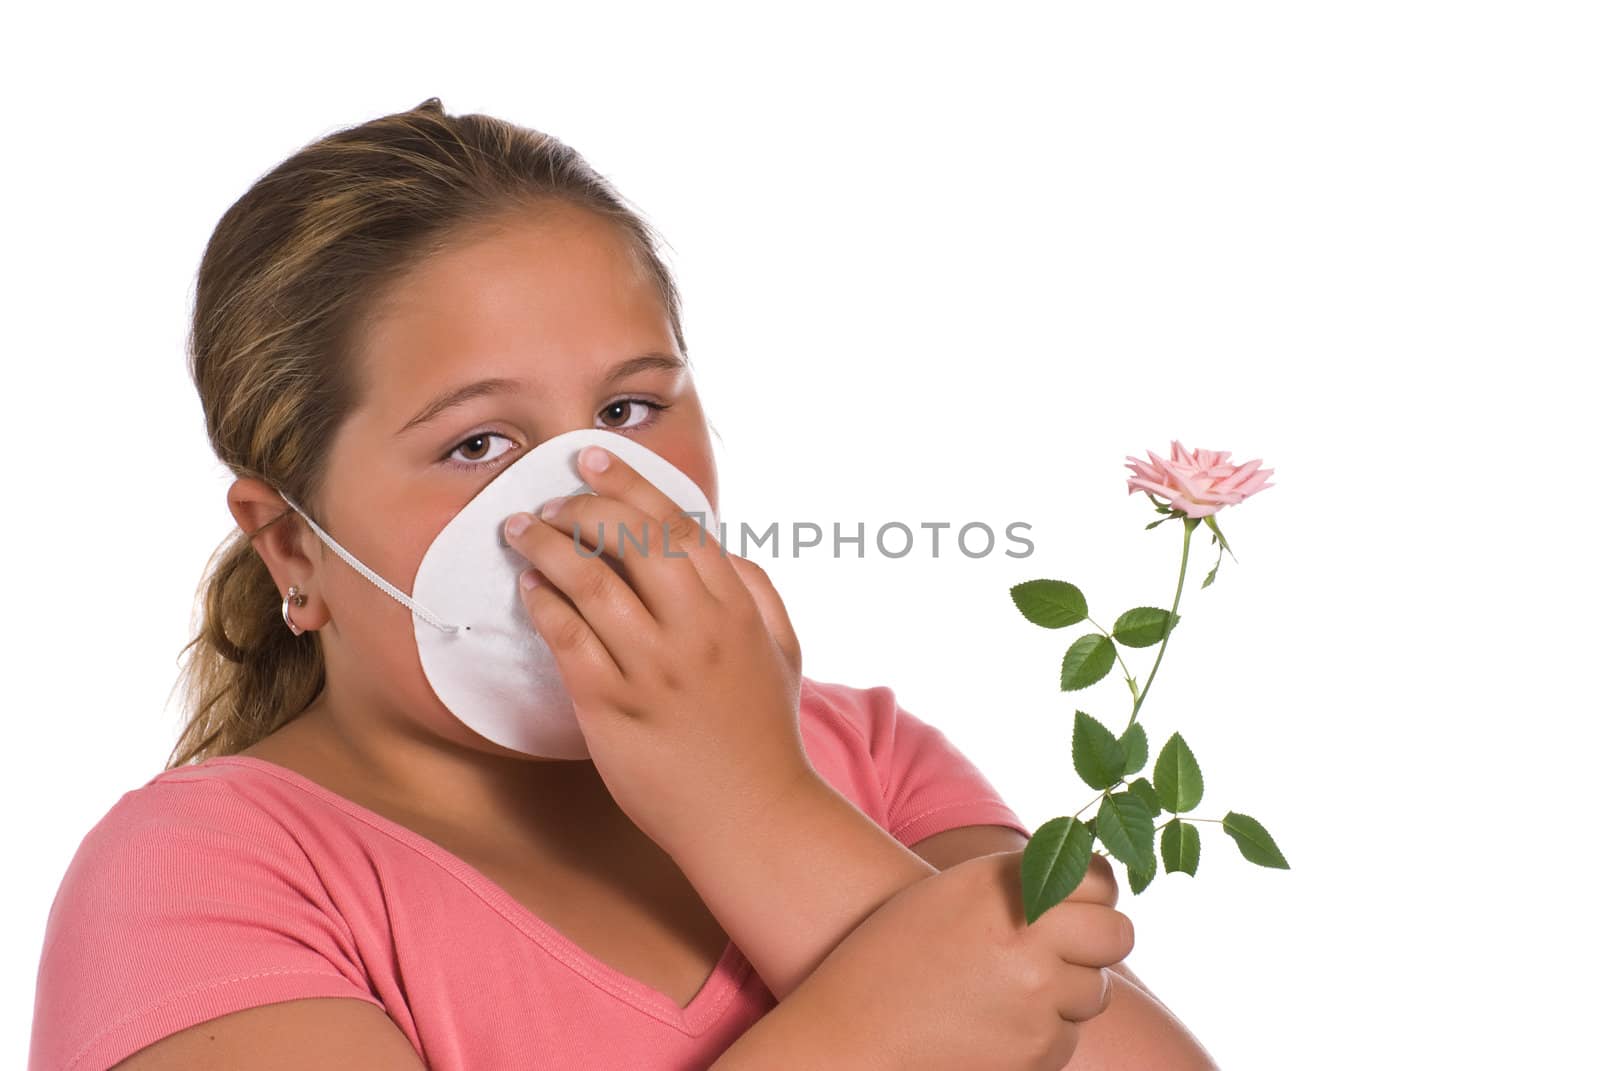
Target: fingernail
{"points": [[518, 524], [548, 510], [528, 579], [594, 458]]}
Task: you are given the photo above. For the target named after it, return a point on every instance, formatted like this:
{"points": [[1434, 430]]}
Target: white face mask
{"points": [[478, 647]]}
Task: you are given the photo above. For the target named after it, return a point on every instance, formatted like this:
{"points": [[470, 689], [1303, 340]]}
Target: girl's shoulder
{"points": [[188, 899], [902, 771], [230, 830], [239, 803], [201, 807]]}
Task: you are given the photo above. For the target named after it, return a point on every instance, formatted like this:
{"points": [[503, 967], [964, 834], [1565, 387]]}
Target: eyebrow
{"points": [[502, 385]]}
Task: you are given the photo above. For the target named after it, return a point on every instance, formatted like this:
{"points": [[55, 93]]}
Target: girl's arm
{"points": [[797, 883], [791, 885], [1137, 1030], [796, 1033]]}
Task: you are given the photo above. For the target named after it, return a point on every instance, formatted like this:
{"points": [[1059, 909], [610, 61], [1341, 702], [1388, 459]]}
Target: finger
{"points": [[597, 594], [1059, 1054], [1099, 884], [1088, 934], [1081, 992], [773, 612], [652, 561], [620, 480], [586, 667]]}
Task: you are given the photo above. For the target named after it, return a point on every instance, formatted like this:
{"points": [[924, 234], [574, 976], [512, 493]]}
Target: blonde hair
{"points": [[287, 278]]}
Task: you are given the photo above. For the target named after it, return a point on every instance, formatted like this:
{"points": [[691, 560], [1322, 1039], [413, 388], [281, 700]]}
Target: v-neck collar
{"points": [[693, 1019]]}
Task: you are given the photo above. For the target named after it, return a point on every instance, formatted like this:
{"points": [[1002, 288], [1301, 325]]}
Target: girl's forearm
{"points": [[787, 889], [799, 1032]]}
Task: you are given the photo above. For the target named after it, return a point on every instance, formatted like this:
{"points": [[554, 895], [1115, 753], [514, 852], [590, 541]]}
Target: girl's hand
{"points": [[680, 658], [947, 975]]}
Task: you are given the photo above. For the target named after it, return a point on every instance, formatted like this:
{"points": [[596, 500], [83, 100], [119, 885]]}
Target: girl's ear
{"points": [[275, 531]]}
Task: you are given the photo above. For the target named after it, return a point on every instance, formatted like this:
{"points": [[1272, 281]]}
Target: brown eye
{"points": [[626, 413], [471, 451]]}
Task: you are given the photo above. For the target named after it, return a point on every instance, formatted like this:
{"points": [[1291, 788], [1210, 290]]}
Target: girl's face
{"points": [[534, 327]]}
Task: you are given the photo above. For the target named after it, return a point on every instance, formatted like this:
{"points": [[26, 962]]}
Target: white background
{"points": [[957, 263]]}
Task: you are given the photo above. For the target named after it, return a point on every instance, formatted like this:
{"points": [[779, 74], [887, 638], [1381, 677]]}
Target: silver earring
{"points": [[298, 599]]}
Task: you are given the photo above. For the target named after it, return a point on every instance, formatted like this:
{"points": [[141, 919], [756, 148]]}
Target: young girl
{"points": [[335, 872]]}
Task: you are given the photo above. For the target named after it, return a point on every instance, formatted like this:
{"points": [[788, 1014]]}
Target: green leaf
{"points": [[1212, 575], [1096, 755], [1089, 825], [1180, 847], [1143, 626], [1139, 879], [1127, 829], [1255, 843], [1087, 660], [1171, 515], [1211, 522], [1050, 603], [1136, 746], [1178, 781], [1147, 796], [1054, 861]]}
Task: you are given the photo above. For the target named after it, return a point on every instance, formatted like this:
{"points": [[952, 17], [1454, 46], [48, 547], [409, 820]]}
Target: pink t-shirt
{"points": [[237, 882]]}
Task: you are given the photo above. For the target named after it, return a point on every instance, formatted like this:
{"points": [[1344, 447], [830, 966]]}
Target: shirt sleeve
{"points": [[929, 786], [185, 902]]}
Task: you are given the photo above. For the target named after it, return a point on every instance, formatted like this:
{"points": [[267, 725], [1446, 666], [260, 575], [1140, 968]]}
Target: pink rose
{"points": [[1200, 483]]}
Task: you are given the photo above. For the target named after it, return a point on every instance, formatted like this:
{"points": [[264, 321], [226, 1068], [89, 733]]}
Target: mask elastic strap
{"points": [[379, 581]]}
